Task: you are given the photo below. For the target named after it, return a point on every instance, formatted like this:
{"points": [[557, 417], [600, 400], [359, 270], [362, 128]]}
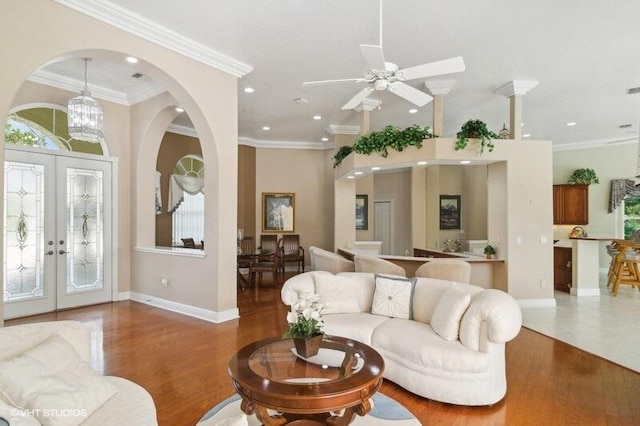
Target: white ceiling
{"points": [[583, 55]]}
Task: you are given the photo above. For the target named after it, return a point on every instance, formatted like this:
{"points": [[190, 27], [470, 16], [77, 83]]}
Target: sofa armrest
{"points": [[295, 287], [495, 310]]}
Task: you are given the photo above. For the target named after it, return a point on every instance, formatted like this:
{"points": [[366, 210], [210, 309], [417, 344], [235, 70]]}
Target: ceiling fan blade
{"points": [[373, 56], [447, 66], [409, 93], [358, 98], [355, 80]]}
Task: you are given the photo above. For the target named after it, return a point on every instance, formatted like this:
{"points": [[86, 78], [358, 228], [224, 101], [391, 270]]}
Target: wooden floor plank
{"points": [[182, 362]]}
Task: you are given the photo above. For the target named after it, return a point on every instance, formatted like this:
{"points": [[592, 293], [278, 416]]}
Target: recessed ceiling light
{"points": [[350, 177], [413, 111], [266, 128], [375, 168], [132, 60], [248, 90], [357, 173], [421, 163], [317, 117], [465, 162], [521, 124], [324, 139], [180, 110], [571, 123], [526, 135]]}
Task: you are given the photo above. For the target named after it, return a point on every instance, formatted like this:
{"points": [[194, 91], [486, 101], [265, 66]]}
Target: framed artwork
{"points": [[449, 212], [362, 213], [278, 212]]}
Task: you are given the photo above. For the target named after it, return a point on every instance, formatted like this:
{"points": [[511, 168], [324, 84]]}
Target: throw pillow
{"points": [[53, 382], [448, 312], [336, 294], [393, 297]]}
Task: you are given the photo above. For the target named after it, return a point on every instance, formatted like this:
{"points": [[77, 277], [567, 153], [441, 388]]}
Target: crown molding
{"points": [[284, 144], [182, 130], [515, 87], [596, 144], [439, 87], [98, 92], [335, 129], [137, 25]]}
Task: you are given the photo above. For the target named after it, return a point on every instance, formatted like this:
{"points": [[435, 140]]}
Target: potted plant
{"points": [[489, 251], [305, 326], [583, 177], [475, 129]]}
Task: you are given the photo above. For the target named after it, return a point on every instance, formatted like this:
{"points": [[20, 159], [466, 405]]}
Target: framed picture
{"points": [[449, 212], [362, 212], [278, 212]]}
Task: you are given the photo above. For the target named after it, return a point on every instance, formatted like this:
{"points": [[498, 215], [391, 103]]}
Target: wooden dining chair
{"points": [[267, 261], [290, 250]]}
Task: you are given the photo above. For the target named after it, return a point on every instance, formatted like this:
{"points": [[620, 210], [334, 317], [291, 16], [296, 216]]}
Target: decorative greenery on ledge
{"points": [[584, 177], [475, 129], [380, 141]]}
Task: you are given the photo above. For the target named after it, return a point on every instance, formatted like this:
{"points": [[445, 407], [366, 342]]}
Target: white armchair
{"points": [[364, 263], [446, 269]]}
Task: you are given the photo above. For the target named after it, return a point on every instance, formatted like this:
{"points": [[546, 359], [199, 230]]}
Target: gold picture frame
{"points": [[278, 212]]}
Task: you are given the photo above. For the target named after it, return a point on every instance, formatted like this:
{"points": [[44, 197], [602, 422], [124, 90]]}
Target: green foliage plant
{"points": [[475, 129], [489, 249], [380, 142], [305, 318], [583, 177]]}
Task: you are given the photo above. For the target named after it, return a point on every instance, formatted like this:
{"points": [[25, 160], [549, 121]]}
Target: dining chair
{"points": [[188, 242], [290, 250], [266, 261]]}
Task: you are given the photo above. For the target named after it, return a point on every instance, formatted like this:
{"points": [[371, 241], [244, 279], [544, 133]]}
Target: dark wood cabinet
{"points": [[562, 268], [570, 204]]}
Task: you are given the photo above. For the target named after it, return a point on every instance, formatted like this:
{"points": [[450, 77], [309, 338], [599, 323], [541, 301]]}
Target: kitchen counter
{"points": [[585, 258]]}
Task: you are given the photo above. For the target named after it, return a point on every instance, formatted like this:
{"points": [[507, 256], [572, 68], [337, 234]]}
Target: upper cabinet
{"points": [[570, 204]]}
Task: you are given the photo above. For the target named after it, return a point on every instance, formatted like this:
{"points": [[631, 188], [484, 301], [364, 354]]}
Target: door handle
{"points": [[50, 252], [63, 252]]}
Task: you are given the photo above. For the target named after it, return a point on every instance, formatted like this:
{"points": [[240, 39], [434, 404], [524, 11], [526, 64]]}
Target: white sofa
{"points": [[130, 404], [467, 370]]}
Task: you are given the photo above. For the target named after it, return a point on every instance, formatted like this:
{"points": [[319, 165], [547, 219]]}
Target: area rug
{"points": [[385, 411]]}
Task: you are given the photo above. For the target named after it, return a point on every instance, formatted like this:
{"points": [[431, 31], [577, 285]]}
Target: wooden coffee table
{"points": [[269, 375]]}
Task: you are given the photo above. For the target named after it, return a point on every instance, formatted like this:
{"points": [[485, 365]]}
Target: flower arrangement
{"points": [[305, 318]]}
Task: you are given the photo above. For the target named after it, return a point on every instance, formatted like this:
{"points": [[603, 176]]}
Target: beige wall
{"points": [[610, 162], [172, 149], [210, 98], [396, 187], [303, 173], [247, 211]]}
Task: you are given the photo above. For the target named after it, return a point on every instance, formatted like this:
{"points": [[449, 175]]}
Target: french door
{"points": [[57, 232]]}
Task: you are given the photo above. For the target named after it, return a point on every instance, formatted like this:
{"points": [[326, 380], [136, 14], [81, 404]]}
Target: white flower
{"points": [[292, 317], [307, 313]]}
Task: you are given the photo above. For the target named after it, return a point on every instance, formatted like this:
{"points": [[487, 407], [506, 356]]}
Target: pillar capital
{"points": [[368, 105], [439, 87], [515, 87]]}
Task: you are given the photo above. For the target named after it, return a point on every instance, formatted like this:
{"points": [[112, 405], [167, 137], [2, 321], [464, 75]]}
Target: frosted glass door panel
{"points": [[28, 268], [84, 259]]}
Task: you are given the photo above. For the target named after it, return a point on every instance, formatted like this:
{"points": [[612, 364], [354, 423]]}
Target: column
{"points": [[514, 90]]}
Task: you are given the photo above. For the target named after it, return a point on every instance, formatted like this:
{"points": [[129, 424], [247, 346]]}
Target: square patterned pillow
{"points": [[336, 293], [54, 382], [449, 310], [393, 297]]}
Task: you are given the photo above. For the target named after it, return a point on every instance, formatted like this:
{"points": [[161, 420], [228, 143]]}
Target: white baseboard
{"points": [[585, 291], [537, 303], [192, 311], [123, 295]]}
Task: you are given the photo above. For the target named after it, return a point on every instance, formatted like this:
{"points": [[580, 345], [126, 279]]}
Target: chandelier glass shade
{"points": [[84, 115]]}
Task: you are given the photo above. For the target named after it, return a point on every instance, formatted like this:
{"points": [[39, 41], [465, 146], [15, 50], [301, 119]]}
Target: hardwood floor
{"points": [[182, 362]]}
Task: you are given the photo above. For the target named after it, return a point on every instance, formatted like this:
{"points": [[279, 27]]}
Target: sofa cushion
{"points": [[429, 353], [448, 312], [53, 379], [336, 294], [16, 416], [358, 326], [392, 297]]}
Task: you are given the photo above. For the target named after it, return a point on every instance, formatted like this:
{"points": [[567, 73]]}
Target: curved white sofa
{"points": [[469, 370], [130, 404]]}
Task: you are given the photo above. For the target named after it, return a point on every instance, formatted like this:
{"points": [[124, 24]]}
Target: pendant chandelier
{"points": [[84, 115]]}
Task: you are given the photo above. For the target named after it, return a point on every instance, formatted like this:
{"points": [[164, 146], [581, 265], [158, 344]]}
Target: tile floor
{"points": [[603, 325]]}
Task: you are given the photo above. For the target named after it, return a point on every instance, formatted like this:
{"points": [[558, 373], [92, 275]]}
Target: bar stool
{"points": [[625, 269]]}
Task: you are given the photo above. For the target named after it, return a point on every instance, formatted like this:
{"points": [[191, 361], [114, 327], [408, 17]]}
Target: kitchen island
{"points": [[482, 269]]}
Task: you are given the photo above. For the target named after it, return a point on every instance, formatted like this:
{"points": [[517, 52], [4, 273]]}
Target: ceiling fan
{"points": [[383, 75]]}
